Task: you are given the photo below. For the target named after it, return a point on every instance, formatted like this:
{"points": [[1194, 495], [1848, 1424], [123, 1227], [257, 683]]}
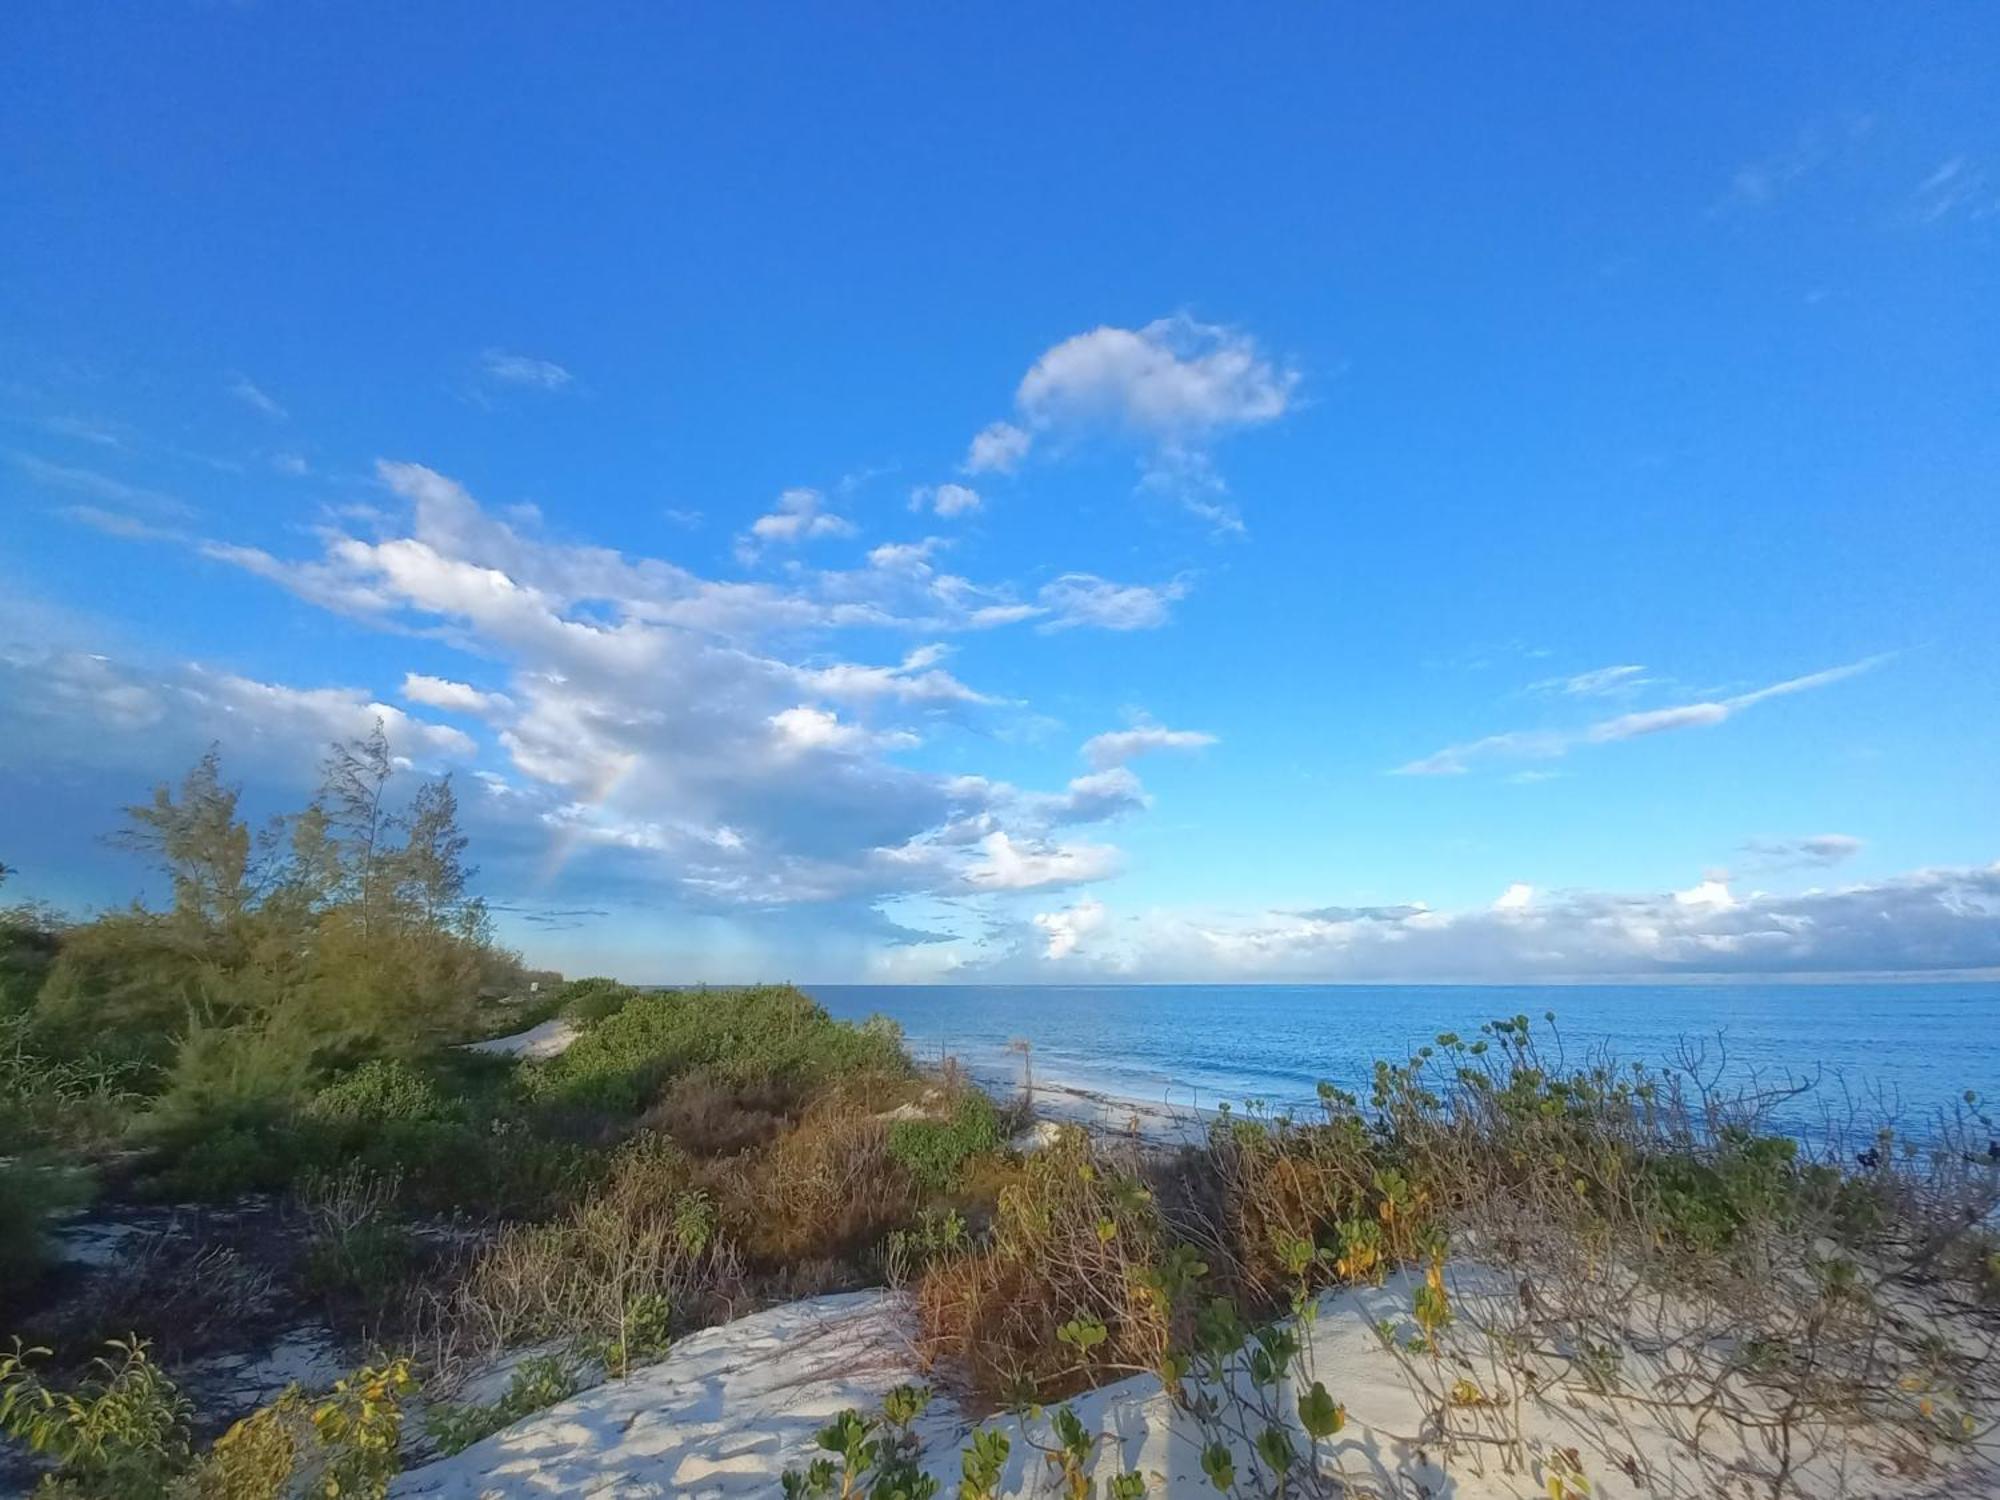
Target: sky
{"points": [[1031, 493]]}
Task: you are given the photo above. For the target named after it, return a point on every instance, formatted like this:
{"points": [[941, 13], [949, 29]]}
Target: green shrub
{"points": [[29, 1192], [379, 1090], [587, 1001], [537, 1383], [935, 1152], [771, 1033], [121, 1434]]}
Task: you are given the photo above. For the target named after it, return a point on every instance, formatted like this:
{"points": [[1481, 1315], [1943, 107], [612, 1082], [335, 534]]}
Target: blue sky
{"points": [[1020, 492]]}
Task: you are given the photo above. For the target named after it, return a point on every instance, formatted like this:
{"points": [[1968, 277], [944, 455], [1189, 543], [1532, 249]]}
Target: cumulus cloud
{"points": [[1067, 928], [458, 697], [1551, 744], [801, 516], [85, 706], [1007, 865], [997, 448], [1171, 389], [1121, 745], [945, 499], [677, 731], [1929, 921], [524, 370]]}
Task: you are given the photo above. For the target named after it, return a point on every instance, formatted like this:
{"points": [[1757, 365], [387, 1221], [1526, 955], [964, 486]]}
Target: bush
{"points": [[537, 1382], [771, 1034], [1067, 1290], [122, 1434], [827, 1189], [935, 1152], [587, 1001], [378, 1091], [642, 1242]]}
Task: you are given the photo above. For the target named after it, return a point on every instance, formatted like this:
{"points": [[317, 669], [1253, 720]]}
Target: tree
{"points": [[359, 825], [199, 841], [430, 870]]}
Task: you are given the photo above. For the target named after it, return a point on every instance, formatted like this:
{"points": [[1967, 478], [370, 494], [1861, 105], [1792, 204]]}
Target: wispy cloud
{"points": [[1085, 599], [257, 400], [1957, 188], [1603, 682], [99, 487], [1118, 746], [524, 370], [1817, 851], [1552, 744]]}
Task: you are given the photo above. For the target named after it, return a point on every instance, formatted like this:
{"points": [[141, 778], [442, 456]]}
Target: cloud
{"points": [[1819, 850], [259, 402], [690, 739], [945, 499], [1551, 744], [801, 516], [86, 707], [1604, 682], [997, 448], [118, 524], [1085, 599], [292, 464], [1005, 865], [100, 487], [1171, 389], [1939, 921], [906, 556], [458, 697], [1956, 187], [804, 728], [1068, 928], [524, 370], [1121, 745]]}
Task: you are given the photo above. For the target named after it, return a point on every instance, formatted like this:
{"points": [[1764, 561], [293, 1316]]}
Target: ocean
{"points": [[1902, 1050]]}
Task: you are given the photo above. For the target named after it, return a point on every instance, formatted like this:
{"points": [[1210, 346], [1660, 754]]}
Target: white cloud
{"points": [[1085, 599], [1175, 381], [292, 464], [1604, 682], [945, 499], [1929, 921], [1551, 744], [1171, 388], [906, 557], [257, 400], [458, 697], [805, 728], [997, 448], [646, 708], [801, 515], [1005, 865], [1069, 927], [524, 370], [1120, 745]]}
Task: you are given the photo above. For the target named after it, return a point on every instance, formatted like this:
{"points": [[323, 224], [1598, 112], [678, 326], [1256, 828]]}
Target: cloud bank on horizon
{"points": [[1198, 563]]}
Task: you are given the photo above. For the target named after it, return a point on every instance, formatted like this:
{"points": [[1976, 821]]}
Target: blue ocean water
{"points": [[1905, 1050]]}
